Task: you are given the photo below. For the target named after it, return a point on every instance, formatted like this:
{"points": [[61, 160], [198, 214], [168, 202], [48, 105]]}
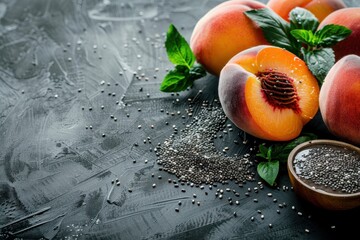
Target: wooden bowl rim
{"points": [[314, 143]]}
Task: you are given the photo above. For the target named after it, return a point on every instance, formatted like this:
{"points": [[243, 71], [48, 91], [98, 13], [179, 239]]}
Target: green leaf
{"points": [[268, 171], [291, 145], [176, 80], [319, 62], [305, 36], [177, 48], [332, 34], [181, 78], [301, 18], [262, 151], [277, 150], [276, 30], [180, 54], [197, 71], [269, 152], [281, 151]]}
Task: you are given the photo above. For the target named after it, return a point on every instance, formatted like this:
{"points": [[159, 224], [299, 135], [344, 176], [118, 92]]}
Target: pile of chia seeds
{"points": [[332, 169], [192, 155]]}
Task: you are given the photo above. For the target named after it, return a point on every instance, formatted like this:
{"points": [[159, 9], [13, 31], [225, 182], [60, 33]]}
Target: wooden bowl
{"points": [[318, 197]]}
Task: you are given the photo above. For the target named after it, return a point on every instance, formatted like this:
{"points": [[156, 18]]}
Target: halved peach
{"points": [[268, 92]]}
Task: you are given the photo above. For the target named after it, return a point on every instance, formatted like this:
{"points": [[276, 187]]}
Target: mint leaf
{"points": [[280, 151], [285, 151], [305, 36], [301, 18], [319, 61], [181, 78], [181, 55], [276, 153], [332, 34], [178, 50], [197, 71], [262, 151], [276, 30], [268, 171], [176, 80]]}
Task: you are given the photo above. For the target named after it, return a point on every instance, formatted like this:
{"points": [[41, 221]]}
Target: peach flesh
{"points": [[251, 91]]}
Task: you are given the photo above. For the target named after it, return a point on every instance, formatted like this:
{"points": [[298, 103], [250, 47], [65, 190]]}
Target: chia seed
{"points": [[192, 155], [329, 168]]}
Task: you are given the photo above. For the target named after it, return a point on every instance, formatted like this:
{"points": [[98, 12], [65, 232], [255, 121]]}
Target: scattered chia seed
{"points": [[329, 168], [193, 157]]}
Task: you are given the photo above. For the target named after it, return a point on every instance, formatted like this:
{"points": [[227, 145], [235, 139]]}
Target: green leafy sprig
{"points": [[180, 54], [276, 154], [302, 37]]}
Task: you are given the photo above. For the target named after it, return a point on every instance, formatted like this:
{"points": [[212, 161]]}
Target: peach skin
{"points": [[340, 99], [350, 18], [223, 32], [268, 92], [320, 8]]}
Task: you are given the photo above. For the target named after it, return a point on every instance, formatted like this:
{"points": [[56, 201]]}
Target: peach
{"points": [[320, 8], [223, 32], [339, 99], [350, 18], [268, 92]]}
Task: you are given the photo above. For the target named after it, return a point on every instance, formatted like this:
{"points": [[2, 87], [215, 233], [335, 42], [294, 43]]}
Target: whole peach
{"points": [[350, 18], [223, 32], [268, 92], [339, 99], [320, 8]]}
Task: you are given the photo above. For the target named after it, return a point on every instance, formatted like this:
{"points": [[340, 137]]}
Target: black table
{"points": [[81, 109]]}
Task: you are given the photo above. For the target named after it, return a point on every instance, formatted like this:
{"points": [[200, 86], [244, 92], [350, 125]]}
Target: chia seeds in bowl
{"points": [[326, 173]]}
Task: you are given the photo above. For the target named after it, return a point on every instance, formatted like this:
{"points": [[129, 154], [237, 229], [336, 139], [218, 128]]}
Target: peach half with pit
{"points": [[223, 32], [268, 92], [340, 99]]}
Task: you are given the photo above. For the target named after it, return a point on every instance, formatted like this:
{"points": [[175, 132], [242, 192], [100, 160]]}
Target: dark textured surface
{"points": [[60, 61]]}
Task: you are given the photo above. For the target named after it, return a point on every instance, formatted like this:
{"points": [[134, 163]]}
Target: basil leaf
{"points": [[301, 18], [268, 171], [305, 36], [276, 30], [319, 62], [176, 80], [178, 50], [332, 34]]}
